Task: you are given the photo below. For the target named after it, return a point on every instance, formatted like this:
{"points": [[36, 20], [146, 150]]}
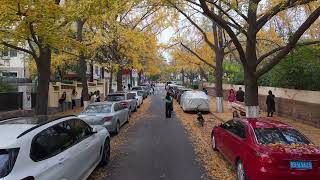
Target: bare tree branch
{"points": [[278, 8], [198, 56], [291, 44], [266, 55]]}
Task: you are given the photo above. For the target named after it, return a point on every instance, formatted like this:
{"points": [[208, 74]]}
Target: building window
{"points": [[5, 52], [9, 74], [13, 53]]}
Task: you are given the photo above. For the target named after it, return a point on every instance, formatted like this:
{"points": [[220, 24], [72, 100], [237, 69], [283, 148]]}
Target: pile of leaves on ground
{"points": [[216, 166]]}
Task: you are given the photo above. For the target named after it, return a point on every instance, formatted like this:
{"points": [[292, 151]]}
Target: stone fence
{"points": [[296, 104]]}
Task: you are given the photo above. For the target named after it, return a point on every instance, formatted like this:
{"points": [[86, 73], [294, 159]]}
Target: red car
{"points": [[264, 149]]}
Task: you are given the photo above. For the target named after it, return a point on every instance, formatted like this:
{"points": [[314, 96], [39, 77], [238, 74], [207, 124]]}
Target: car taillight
{"points": [[125, 104], [108, 118]]}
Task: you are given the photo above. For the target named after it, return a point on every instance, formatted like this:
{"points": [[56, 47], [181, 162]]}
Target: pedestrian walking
{"points": [[231, 97], [62, 100], [73, 98], [98, 97], [271, 108], [169, 105], [240, 95]]}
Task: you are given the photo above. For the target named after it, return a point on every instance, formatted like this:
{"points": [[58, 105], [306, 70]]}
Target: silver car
{"points": [[111, 115]]}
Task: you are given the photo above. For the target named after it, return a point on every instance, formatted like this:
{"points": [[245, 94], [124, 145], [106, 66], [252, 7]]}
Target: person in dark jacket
{"points": [[240, 95], [169, 105], [271, 107]]}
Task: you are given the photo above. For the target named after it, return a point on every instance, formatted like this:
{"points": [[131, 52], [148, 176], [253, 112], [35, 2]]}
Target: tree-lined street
{"points": [[159, 89]]}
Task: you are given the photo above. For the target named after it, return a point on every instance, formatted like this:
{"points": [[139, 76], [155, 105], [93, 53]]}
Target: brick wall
{"points": [[307, 112]]}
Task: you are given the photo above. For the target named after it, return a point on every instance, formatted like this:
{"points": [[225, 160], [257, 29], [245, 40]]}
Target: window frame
{"points": [[235, 124], [74, 140]]}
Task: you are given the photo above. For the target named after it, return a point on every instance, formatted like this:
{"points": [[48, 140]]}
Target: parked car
{"points": [[180, 92], [194, 100], [266, 149], [128, 100], [111, 115], [139, 97], [51, 149], [141, 89]]}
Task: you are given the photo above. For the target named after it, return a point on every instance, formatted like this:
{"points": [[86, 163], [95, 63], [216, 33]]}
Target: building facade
{"points": [[13, 64]]}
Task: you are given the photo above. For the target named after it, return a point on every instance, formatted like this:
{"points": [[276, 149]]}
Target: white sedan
{"points": [[51, 149], [139, 97]]}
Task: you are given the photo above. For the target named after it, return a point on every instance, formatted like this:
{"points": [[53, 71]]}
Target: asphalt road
{"points": [[157, 148]]}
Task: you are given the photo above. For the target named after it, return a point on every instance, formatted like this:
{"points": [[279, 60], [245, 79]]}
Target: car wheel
{"points": [[117, 130], [214, 143], [241, 175], [128, 119], [135, 108], [106, 153]]}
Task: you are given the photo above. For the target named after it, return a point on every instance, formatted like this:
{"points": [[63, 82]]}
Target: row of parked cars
{"points": [[69, 147], [189, 99]]}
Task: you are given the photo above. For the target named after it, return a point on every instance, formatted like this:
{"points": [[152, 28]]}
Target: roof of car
{"points": [[264, 123], [12, 129], [103, 103], [10, 132]]}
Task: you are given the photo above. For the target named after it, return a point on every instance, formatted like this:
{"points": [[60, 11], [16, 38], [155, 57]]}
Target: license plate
{"points": [[300, 164]]}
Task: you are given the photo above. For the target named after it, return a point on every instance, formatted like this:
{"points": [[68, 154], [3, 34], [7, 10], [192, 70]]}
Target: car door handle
{"points": [[61, 160]]}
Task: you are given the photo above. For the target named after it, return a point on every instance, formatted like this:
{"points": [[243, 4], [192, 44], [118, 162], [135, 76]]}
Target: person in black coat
{"points": [[270, 104], [240, 95]]}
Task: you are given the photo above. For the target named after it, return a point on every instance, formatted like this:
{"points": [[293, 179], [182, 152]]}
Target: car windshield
{"points": [[280, 136], [116, 97], [140, 93], [7, 159], [101, 108]]}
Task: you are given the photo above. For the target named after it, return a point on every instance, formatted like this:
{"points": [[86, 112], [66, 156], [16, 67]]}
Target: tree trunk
{"points": [[111, 80], [91, 72], [43, 67], [219, 52], [139, 78], [182, 78], [131, 78], [119, 79], [83, 66], [219, 81], [251, 95], [83, 76]]}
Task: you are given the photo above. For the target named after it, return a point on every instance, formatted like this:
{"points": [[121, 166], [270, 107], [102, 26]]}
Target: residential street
{"points": [[156, 148]]}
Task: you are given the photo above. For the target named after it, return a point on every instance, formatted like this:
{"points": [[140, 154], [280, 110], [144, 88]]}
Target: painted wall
{"points": [[297, 104]]}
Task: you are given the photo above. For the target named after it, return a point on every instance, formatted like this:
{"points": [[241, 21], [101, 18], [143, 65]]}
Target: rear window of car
{"points": [[140, 93], [105, 108], [280, 136], [7, 160], [116, 97]]}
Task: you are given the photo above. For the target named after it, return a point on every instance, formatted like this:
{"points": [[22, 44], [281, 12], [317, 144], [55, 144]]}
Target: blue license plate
{"points": [[300, 164]]}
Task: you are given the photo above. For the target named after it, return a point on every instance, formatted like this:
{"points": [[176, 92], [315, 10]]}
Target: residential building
{"points": [[13, 63]]}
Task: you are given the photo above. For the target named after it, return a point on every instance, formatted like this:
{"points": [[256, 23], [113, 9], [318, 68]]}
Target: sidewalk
{"points": [[311, 132], [75, 111]]}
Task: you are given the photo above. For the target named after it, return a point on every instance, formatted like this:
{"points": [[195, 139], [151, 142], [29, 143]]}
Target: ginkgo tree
{"points": [[242, 21], [35, 28]]}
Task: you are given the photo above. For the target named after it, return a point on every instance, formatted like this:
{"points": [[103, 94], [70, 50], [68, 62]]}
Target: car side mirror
{"points": [[94, 130]]}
